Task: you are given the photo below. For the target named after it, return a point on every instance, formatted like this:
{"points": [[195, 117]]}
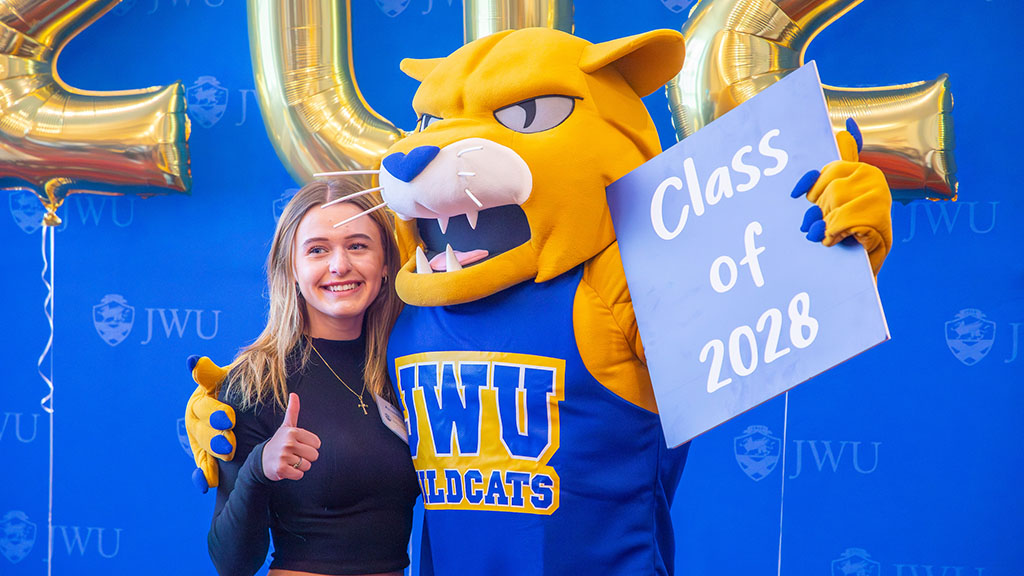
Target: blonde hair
{"points": [[260, 370]]}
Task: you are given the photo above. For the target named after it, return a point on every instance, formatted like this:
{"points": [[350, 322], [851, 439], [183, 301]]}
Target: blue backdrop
{"points": [[902, 462]]}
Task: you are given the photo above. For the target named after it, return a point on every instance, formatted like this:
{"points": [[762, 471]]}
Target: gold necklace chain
{"points": [[361, 404]]}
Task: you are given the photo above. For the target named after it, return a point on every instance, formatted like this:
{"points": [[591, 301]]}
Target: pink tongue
{"points": [[438, 263]]}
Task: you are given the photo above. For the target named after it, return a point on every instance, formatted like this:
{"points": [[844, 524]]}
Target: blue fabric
{"points": [[610, 461]]}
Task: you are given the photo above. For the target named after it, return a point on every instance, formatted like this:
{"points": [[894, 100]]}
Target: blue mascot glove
{"points": [[851, 201], [208, 422]]}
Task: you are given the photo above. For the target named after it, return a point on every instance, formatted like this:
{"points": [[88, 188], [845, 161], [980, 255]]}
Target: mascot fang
{"points": [[517, 360]]}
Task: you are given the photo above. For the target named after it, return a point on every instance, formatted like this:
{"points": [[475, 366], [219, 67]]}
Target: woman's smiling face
{"points": [[339, 271]]}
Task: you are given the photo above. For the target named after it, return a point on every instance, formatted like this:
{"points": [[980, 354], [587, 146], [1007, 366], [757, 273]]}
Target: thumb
{"points": [[207, 374], [847, 147], [291, 414], [850, 142]]}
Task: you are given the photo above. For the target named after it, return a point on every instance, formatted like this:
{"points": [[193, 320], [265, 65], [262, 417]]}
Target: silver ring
{"points": [[297, 464]]}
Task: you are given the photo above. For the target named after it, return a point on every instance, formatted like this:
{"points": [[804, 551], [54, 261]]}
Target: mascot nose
{"points": [[405, 167]]}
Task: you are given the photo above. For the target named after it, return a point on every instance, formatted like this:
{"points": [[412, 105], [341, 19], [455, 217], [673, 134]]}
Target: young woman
{"points": [[329, 481]]}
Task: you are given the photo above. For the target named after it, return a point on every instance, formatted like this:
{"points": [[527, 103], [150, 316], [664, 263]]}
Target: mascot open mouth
{"points": [[497, 231]]}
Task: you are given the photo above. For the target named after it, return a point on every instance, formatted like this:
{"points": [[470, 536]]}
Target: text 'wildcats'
{"points": [[482, 428]]}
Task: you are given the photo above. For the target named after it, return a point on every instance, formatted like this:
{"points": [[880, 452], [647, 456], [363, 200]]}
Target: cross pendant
{"points": [[362, 405]]}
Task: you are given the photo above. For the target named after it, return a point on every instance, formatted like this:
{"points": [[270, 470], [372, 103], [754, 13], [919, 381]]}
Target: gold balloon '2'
{"points": [[56, 140], [737, 48]]}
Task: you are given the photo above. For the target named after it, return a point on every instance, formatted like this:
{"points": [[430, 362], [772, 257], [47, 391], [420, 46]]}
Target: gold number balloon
{"points": [[737, 48], [55, 140], [315, 115]]}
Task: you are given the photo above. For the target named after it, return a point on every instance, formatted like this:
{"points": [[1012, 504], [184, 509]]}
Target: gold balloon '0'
{"points": [[737, 48], [55, 140], [315, 115]]}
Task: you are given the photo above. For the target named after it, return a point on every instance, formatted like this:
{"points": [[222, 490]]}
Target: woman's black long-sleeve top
{"points": [[352, 511]]}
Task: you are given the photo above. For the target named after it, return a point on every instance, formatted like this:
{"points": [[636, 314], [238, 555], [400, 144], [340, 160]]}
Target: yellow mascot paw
{"points": [[208, 422], [852, 200]]}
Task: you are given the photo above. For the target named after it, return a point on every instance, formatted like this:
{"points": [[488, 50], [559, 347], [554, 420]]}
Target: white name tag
{"points": [[392, 418]]}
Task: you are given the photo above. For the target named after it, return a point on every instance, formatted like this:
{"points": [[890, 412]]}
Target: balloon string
{"points": [[46, 402], [782, 496], [49, 239]]}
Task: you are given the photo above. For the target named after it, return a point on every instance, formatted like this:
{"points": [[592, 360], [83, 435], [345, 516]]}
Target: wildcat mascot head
{"points": [[518, 135]]}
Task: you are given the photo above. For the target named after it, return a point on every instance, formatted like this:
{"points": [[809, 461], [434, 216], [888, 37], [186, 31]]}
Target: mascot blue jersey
{"points": [[526, 463]]}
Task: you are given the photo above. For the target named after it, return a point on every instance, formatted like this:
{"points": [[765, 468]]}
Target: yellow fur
{"points": [[208, 377], [607, 333], [608, 134]]}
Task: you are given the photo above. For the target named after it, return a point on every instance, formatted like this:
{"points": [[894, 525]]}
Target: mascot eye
{"points": [[536, 114], [426, 120]]}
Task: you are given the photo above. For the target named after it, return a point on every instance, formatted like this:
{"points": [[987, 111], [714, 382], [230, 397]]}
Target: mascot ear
{"points": [[419, 69], [646, 61]]}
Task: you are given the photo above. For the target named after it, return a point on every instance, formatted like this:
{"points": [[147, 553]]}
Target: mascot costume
{"points": [[517, 360]]}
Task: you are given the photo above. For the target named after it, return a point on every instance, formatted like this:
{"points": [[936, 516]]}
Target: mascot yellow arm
{"points": [[208, 422], [606, 330]]}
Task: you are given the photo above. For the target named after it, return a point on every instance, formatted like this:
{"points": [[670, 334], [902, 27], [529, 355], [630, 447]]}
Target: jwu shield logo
{"points": [[677, 6], [969, 336], [392, 7], [113, 318], [183, 438], [281, 202], [757, 451], [26, 210], [207, 101], [17, 536], [855, 562]]}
